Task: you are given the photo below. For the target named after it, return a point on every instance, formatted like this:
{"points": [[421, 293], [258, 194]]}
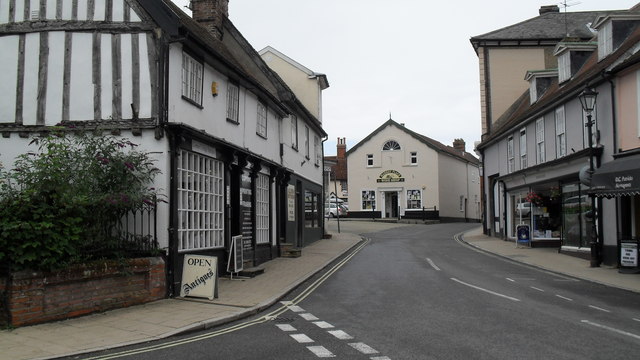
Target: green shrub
{"points": [[58, 203]]}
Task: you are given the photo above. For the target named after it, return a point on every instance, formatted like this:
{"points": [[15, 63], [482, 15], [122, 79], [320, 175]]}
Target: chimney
{"points": [[210, 14], [342, 148], [549, 9], [459, 145]]}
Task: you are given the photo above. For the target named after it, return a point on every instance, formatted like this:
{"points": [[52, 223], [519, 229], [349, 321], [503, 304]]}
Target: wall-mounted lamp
{"points": [[214, 88]]}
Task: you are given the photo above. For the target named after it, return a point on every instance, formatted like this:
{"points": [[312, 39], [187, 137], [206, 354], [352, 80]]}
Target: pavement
{"points": [[240, 298]]}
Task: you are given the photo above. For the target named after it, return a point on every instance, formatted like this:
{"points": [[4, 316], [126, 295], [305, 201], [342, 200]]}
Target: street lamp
{"points": [[588, 101]]}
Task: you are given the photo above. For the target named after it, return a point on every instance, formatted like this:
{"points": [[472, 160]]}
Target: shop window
{"points": [[311, 209], [368, 199], [577, 225], [540, 141], [262, 209], [200, 202], [261, 128], [233, 102], [510, 156], [192, 71], [414, 199]]}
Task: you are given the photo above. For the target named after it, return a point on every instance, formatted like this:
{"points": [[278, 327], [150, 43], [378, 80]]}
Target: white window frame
{"points": [[306, 142], [192, 72], [561, 136], [414, 199], [391, 145], [369, 160], [261, 123], [316, 149], [564, 66], [533, 91], [510, 155], [294, 132], [605, 40], [523, 148], [200, 202], [413, 158], [540, 158], [233, 102], [262, 209]]}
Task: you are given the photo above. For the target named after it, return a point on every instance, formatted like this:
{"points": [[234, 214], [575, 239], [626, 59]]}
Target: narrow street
{"points": [[414, 292]]}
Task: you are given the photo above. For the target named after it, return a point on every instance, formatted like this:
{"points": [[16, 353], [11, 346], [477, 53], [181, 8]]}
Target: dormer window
{"points": [[391, 145], [539, 82], [613, 30], [572, 55]]}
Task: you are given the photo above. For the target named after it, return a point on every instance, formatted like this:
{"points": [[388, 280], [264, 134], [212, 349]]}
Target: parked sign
{"points": [[629, 254], [199, 276], [523, 235]]}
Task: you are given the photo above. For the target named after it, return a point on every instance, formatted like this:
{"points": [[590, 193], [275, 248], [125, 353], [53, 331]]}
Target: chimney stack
{"points": [[549, 9], [210, 14], [459, 145], [342, 148]]}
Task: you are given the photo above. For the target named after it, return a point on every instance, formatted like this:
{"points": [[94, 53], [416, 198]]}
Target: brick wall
{"points": [[210, 14], [35, 297]]}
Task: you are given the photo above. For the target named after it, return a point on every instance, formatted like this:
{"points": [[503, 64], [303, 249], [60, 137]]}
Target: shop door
{"points": [[394, 205]]}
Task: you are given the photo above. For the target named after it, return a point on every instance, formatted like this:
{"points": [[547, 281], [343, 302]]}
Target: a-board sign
{"points": [[199, 276], [236, 256], [629, 254], [523, 234]]}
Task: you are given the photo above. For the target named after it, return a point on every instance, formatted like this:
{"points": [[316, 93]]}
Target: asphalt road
{"points": [[413, 292]]}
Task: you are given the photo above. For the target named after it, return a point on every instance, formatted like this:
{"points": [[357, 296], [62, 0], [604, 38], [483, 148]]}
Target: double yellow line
{"points": [[268, 317]]}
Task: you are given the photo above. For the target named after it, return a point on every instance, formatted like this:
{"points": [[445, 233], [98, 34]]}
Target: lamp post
{"points": [[588, 101]]}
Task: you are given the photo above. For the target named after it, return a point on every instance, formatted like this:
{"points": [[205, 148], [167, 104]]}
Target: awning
{"points": [[619, 177]]}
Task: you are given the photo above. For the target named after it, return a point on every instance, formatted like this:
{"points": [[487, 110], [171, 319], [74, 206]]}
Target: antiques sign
{"points": [[390, 176], [199, 276], [291, 202]]}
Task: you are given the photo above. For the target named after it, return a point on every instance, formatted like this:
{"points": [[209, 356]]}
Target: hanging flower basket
{"points": [[533, 198]]}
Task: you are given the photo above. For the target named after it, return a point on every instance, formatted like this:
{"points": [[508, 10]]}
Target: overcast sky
{"points": [[408, 58]]}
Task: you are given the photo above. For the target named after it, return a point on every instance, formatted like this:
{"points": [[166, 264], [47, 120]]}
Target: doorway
{"points": [[391, 204]]}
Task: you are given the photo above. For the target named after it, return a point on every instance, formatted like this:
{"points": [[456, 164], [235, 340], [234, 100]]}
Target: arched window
{"points": [[391, 145]]}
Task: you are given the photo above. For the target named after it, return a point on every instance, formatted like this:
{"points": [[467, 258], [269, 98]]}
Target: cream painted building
{"points": [[395, 171]]}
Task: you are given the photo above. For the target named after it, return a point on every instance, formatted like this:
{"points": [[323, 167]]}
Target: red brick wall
{"points": [[35, 297]]}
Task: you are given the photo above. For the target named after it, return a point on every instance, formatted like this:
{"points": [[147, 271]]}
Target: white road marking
{"points": [[611, 329], [285, 327], [323, 324], [309, 317], [511, 280], [363, 348], [294, 308], [321, 351], [564, 298], [433, 265], [380, 358], [535, 288], [301, 338], [599, 308], [634, 319], [485, 290], [340, 334]]}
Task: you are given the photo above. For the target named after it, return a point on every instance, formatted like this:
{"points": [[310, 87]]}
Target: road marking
{"points": [[321, 351], [285, 327], [535, 288], [599, 308], [340, 334], [309, 317], [634, 319], [363, 348], [301, 338], [564, 298], [323, 324], [433, 265], [380, 358], [611, 329], [485, 290], [290, 306], [511, 280]]}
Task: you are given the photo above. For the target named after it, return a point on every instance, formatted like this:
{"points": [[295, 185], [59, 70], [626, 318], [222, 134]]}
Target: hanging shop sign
{"points": [[390, 176], [291, 202], [199, 276]]}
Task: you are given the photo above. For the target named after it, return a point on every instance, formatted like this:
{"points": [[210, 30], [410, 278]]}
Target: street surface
{"points": [[415, 292]]}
